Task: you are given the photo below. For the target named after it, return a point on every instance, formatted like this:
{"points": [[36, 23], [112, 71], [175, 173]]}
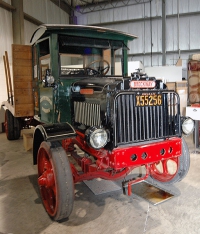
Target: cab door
{"points": [[46, 93], [44, 99]]}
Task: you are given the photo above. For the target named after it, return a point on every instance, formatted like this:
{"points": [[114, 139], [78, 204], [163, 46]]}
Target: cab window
{"points": [[79, 56]]}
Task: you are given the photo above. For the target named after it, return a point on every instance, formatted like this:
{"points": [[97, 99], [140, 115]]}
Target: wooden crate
{"points": [[182, 90], [28, 141], [171, 85]]}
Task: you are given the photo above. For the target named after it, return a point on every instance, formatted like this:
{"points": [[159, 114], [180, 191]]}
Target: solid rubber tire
{"points": [[63, 179], [13, 126]]}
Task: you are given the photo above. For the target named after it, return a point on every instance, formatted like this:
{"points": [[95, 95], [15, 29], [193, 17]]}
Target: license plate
{"points": [[149, 100]]}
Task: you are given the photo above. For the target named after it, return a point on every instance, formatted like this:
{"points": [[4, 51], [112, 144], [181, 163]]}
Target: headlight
{"points": [[50, 79], [96, 137], [188, 126]]}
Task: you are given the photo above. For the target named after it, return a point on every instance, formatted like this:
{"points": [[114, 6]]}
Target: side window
{"points": [[44, 58], [44, 64], [44, 47]]}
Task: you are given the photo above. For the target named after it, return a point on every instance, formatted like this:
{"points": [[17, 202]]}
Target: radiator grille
{"points": [[87, 113], [143, 123]]}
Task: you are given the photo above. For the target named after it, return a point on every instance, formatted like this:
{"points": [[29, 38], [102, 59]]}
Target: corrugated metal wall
{"points": [[45, 11], [182, 33], [6, 36], [145, 21]]}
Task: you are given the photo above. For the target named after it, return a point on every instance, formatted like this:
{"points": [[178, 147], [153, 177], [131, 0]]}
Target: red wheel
{"points": [[12, 126], [55, 180], [172, 170], [165, 170]]}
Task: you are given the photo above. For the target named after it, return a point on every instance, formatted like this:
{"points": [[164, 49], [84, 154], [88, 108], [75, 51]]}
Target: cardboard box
{"points": [[182, 90], [28, 141]]}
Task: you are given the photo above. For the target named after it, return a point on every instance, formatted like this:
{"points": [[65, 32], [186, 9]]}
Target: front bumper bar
{"points": [[145, 154]]}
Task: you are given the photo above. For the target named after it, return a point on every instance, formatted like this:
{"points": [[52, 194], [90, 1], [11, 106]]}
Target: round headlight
{"points": [[188, 126], [50, 79], [97, 137]]}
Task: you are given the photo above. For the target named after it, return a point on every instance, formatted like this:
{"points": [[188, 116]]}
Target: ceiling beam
{"points": [[87, 7], [93, 3], [63, 5], [32, 19], [7, 6]]}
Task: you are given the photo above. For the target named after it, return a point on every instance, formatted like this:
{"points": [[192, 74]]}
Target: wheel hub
{"points": [[46, 179]]}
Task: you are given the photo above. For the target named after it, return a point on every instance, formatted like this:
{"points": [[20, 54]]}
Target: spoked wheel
{"points": [[55, 180], [12, 126], [172, 170]]}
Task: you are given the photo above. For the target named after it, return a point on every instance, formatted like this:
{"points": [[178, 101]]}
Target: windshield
{"points": [[86, 56]]}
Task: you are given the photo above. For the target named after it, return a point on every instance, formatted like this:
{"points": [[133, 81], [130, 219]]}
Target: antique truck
{"points": [[83, 99]]}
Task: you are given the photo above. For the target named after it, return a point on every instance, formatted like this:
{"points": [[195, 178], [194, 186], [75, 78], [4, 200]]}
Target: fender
{"points": [[49, 133]]}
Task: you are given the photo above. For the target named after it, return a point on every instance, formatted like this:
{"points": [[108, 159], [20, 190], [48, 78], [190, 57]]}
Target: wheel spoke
{"points": [[99, 69], [104, 69], [6, 128], [175, 159], [44, 163], [165, 167], [47, 165], [6, 124], [164, 170], [51, 199], [48, 200], [46, 181]]}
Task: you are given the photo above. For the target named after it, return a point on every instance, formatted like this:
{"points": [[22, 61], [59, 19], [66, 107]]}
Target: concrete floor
{"points": [[21, 210]]}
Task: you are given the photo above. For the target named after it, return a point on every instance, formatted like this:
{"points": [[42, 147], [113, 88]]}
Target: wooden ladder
{"points": [[8, 79]]}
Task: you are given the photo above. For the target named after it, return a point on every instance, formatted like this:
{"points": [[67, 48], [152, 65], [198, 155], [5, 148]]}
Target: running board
{"points": [[149, 192], [145, 190], [99, 186]]}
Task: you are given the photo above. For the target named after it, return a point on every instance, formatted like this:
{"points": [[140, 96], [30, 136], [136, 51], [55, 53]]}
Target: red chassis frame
{"points": [[120, 161]]}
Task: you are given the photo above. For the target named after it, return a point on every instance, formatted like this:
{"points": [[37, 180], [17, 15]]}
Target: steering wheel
{"points": [[99, 70]]}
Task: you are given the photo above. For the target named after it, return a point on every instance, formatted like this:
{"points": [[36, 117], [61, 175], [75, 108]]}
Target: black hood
{"points": [[97, 83]]}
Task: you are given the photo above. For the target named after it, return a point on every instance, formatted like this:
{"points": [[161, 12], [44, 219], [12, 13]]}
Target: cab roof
{"points": [[80, 30]]}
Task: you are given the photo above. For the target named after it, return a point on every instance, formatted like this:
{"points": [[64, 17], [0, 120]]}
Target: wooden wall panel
{"points": [[21, 84], [22, 52], [23, 110], [19, 71], [21, 62], [27, 93], [21, 99]]}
